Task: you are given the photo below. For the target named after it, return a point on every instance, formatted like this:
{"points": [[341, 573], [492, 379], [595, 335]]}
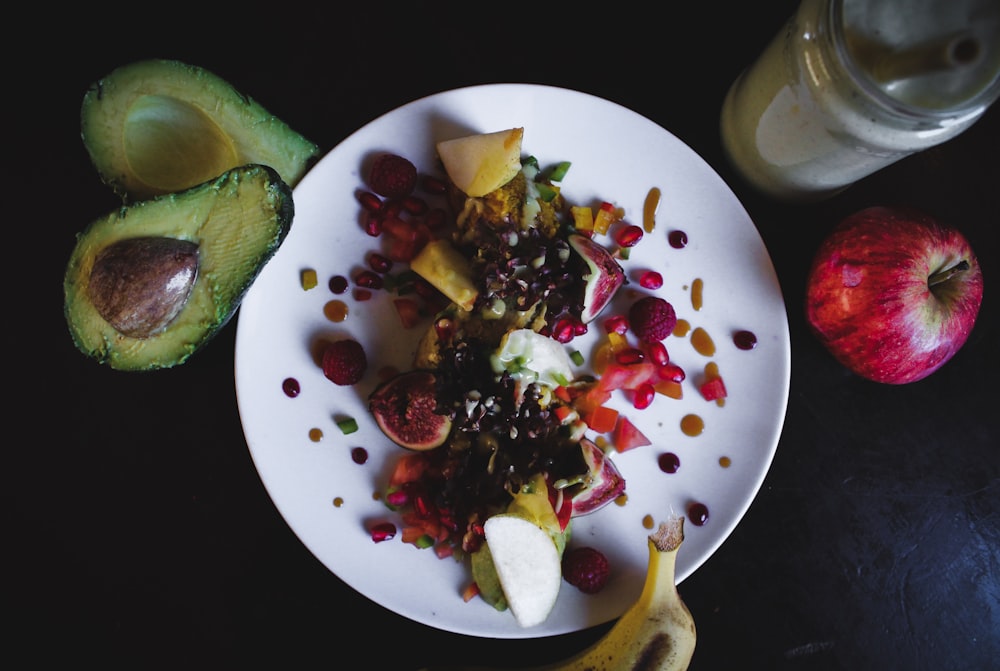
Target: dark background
{"points": [[138, 535]]}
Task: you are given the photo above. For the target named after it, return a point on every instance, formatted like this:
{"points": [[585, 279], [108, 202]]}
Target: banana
{"points": [[656, 633]]}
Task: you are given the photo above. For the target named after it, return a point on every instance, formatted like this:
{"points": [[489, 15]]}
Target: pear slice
{"points": [[482, 163], [446, 269], [527, 564]]}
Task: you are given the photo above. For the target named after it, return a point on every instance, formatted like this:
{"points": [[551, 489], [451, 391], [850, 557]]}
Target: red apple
{"points": [[893, 293]]}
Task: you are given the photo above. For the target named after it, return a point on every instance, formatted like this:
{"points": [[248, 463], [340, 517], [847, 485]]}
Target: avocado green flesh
{"points": [[159, 126], [238, 221], [170, 145]]}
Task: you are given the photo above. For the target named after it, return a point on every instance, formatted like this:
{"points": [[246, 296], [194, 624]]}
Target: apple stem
{"points": [[946, 274]]}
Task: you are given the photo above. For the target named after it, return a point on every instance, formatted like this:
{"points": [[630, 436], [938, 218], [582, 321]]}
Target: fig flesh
{"points": [[405, 409], [603, 278], [604, 482]]}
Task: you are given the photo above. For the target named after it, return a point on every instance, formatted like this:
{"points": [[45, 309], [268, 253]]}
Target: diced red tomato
{"points": [[627, 436]]}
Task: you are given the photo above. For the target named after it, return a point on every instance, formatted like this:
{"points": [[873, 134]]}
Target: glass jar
{"points": [[851, 86]]}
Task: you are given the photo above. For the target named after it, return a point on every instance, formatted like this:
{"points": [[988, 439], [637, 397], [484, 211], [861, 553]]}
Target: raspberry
{"points": [[344, 362], [652, 319], [392, 176], [585, 568]]}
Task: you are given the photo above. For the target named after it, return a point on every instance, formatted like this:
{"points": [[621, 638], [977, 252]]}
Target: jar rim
{"points": [[974, 104]]}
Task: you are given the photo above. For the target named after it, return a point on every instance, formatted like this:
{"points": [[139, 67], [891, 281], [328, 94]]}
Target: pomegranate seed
{"points": [[379, 263], [435, 218], [415, 205], [651, 280], [397, 499], [445, 329], [630, 355], [373, 225], [392, 208], [643, 396], [370, 202], [629, 236], [421, 508], [672, 372], [564, 330], [433, 185], [383, 531], [368, 279], [579, 328], [658, 353], [616, 324], [361, 295]]}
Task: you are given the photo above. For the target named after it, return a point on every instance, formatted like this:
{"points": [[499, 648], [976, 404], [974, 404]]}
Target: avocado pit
{"points": [[139, 285]]}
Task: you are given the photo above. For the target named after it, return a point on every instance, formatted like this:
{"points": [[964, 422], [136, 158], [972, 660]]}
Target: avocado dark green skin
{"points": [[238, 221], [160, 126]]}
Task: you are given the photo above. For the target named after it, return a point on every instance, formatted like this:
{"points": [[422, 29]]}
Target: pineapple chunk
{"points": [[479, 164], [444, 267]]}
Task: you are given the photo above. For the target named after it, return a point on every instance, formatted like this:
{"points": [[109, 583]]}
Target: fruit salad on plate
{"points": [[504, 443]]}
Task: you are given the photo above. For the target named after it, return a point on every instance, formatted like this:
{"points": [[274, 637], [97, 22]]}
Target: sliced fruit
{"points": [[405, 408], [448, 271], [484, 573], [532, 357], [160, 126], [603, 277], [533, 502], [479, 164], [527, 564], [604, 484], [149, 284]]}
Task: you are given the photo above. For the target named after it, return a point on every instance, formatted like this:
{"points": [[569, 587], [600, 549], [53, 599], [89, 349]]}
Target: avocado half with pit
{"points": [[160, 126], [149, 284]]}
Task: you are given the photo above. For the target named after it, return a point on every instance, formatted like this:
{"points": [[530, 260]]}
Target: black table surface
{"points": [[139, 535]]}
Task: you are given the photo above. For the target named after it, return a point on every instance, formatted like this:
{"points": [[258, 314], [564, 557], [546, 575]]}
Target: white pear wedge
{"points": [[527, 565], [482, 163]]}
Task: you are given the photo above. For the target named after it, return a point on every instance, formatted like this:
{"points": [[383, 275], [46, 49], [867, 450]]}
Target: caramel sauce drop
{"points": [[703, 343], [725, 462], [337, 502], [648, 521], [692, 425], [649, 210], [315, 435], [697, 293], [335, 310], [681, 328]]}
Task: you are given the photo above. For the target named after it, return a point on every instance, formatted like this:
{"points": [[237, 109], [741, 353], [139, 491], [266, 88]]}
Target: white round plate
{"points": [[617, 156]]}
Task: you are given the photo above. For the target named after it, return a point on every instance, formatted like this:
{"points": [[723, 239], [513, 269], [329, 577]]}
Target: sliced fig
{"points": [[405, 408], [604, 484], [603, 277]]}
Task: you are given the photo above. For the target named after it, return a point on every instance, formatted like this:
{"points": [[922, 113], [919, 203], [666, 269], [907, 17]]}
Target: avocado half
{"points": [[149, 284], [160, 126]]}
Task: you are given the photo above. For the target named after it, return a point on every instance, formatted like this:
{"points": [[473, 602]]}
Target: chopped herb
{"points": [[347, 425]]}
